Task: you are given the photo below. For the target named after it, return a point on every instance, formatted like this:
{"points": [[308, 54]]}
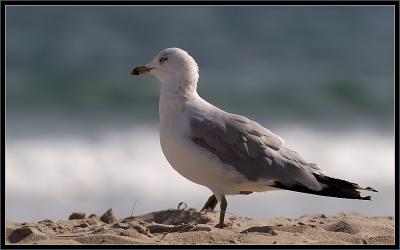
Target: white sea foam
{"points": [[51, 176]]}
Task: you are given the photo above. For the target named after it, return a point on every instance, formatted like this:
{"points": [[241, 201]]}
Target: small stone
{"points": [[364, 242], [83, 225], [321, 222], [94, 216], [93, 221], [300, 223], [109, 217], [20, 234], [273, 233], [323, 216], [77, 216], [279, 225], [274, 242]]}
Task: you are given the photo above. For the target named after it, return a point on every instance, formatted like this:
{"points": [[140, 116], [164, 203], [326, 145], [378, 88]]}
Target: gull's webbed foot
{"points": [[225, 225]]}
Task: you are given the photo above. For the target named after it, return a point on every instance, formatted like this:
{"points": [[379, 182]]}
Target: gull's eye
{"points": [[163, 59]]}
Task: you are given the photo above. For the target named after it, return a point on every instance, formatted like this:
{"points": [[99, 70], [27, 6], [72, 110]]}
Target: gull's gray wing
{"points": [[251, 149]]}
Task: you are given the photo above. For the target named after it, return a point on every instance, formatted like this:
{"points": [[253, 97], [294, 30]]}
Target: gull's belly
{"points": [[193, 162]]}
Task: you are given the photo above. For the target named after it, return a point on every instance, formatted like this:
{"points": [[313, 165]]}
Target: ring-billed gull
{"points": [[228, 153]]}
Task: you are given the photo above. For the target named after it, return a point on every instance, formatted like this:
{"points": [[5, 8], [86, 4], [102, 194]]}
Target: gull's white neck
{"points": [[174, 96]]}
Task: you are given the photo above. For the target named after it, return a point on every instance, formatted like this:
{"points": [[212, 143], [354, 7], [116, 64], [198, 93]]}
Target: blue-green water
{"points": [[306, 62], [82, 134]]}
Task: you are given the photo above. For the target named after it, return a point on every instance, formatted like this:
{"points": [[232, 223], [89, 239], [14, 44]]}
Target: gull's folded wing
{"points": [[253, 151], [259, 155]]}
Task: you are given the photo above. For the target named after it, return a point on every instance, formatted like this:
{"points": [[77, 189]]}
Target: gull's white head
{"points": [[170, 66]]}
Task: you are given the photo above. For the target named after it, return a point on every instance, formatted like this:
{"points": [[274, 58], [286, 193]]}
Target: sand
{"points": [[188, 226]]}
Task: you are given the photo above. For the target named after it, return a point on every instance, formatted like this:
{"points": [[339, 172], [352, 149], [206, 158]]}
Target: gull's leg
{"points": [[210, 204], [224, 204], [213, 204]]}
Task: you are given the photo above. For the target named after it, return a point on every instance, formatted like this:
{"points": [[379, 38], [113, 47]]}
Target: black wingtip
{"points": [[366, 198], [371, 189]]}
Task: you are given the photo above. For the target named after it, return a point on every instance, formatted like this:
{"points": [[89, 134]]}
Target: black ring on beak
{"points": [[140, 70]]}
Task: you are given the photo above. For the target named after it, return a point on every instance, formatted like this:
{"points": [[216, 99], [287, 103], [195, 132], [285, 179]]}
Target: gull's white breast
{"points": [[193, 162]]}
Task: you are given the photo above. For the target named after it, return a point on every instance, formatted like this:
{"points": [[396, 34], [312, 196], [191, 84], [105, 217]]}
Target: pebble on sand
{"points": [[109, 217], [77, 216], [95, 216], [19, 234]]}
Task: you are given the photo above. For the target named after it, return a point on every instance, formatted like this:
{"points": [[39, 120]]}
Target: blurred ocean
{"points": [[83, 136]]}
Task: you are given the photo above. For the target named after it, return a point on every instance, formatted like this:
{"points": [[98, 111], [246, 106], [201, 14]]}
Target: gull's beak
{"points": [[140, 70]]}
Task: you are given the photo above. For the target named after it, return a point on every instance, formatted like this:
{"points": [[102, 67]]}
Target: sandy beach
{"points": [[188, 226]]}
